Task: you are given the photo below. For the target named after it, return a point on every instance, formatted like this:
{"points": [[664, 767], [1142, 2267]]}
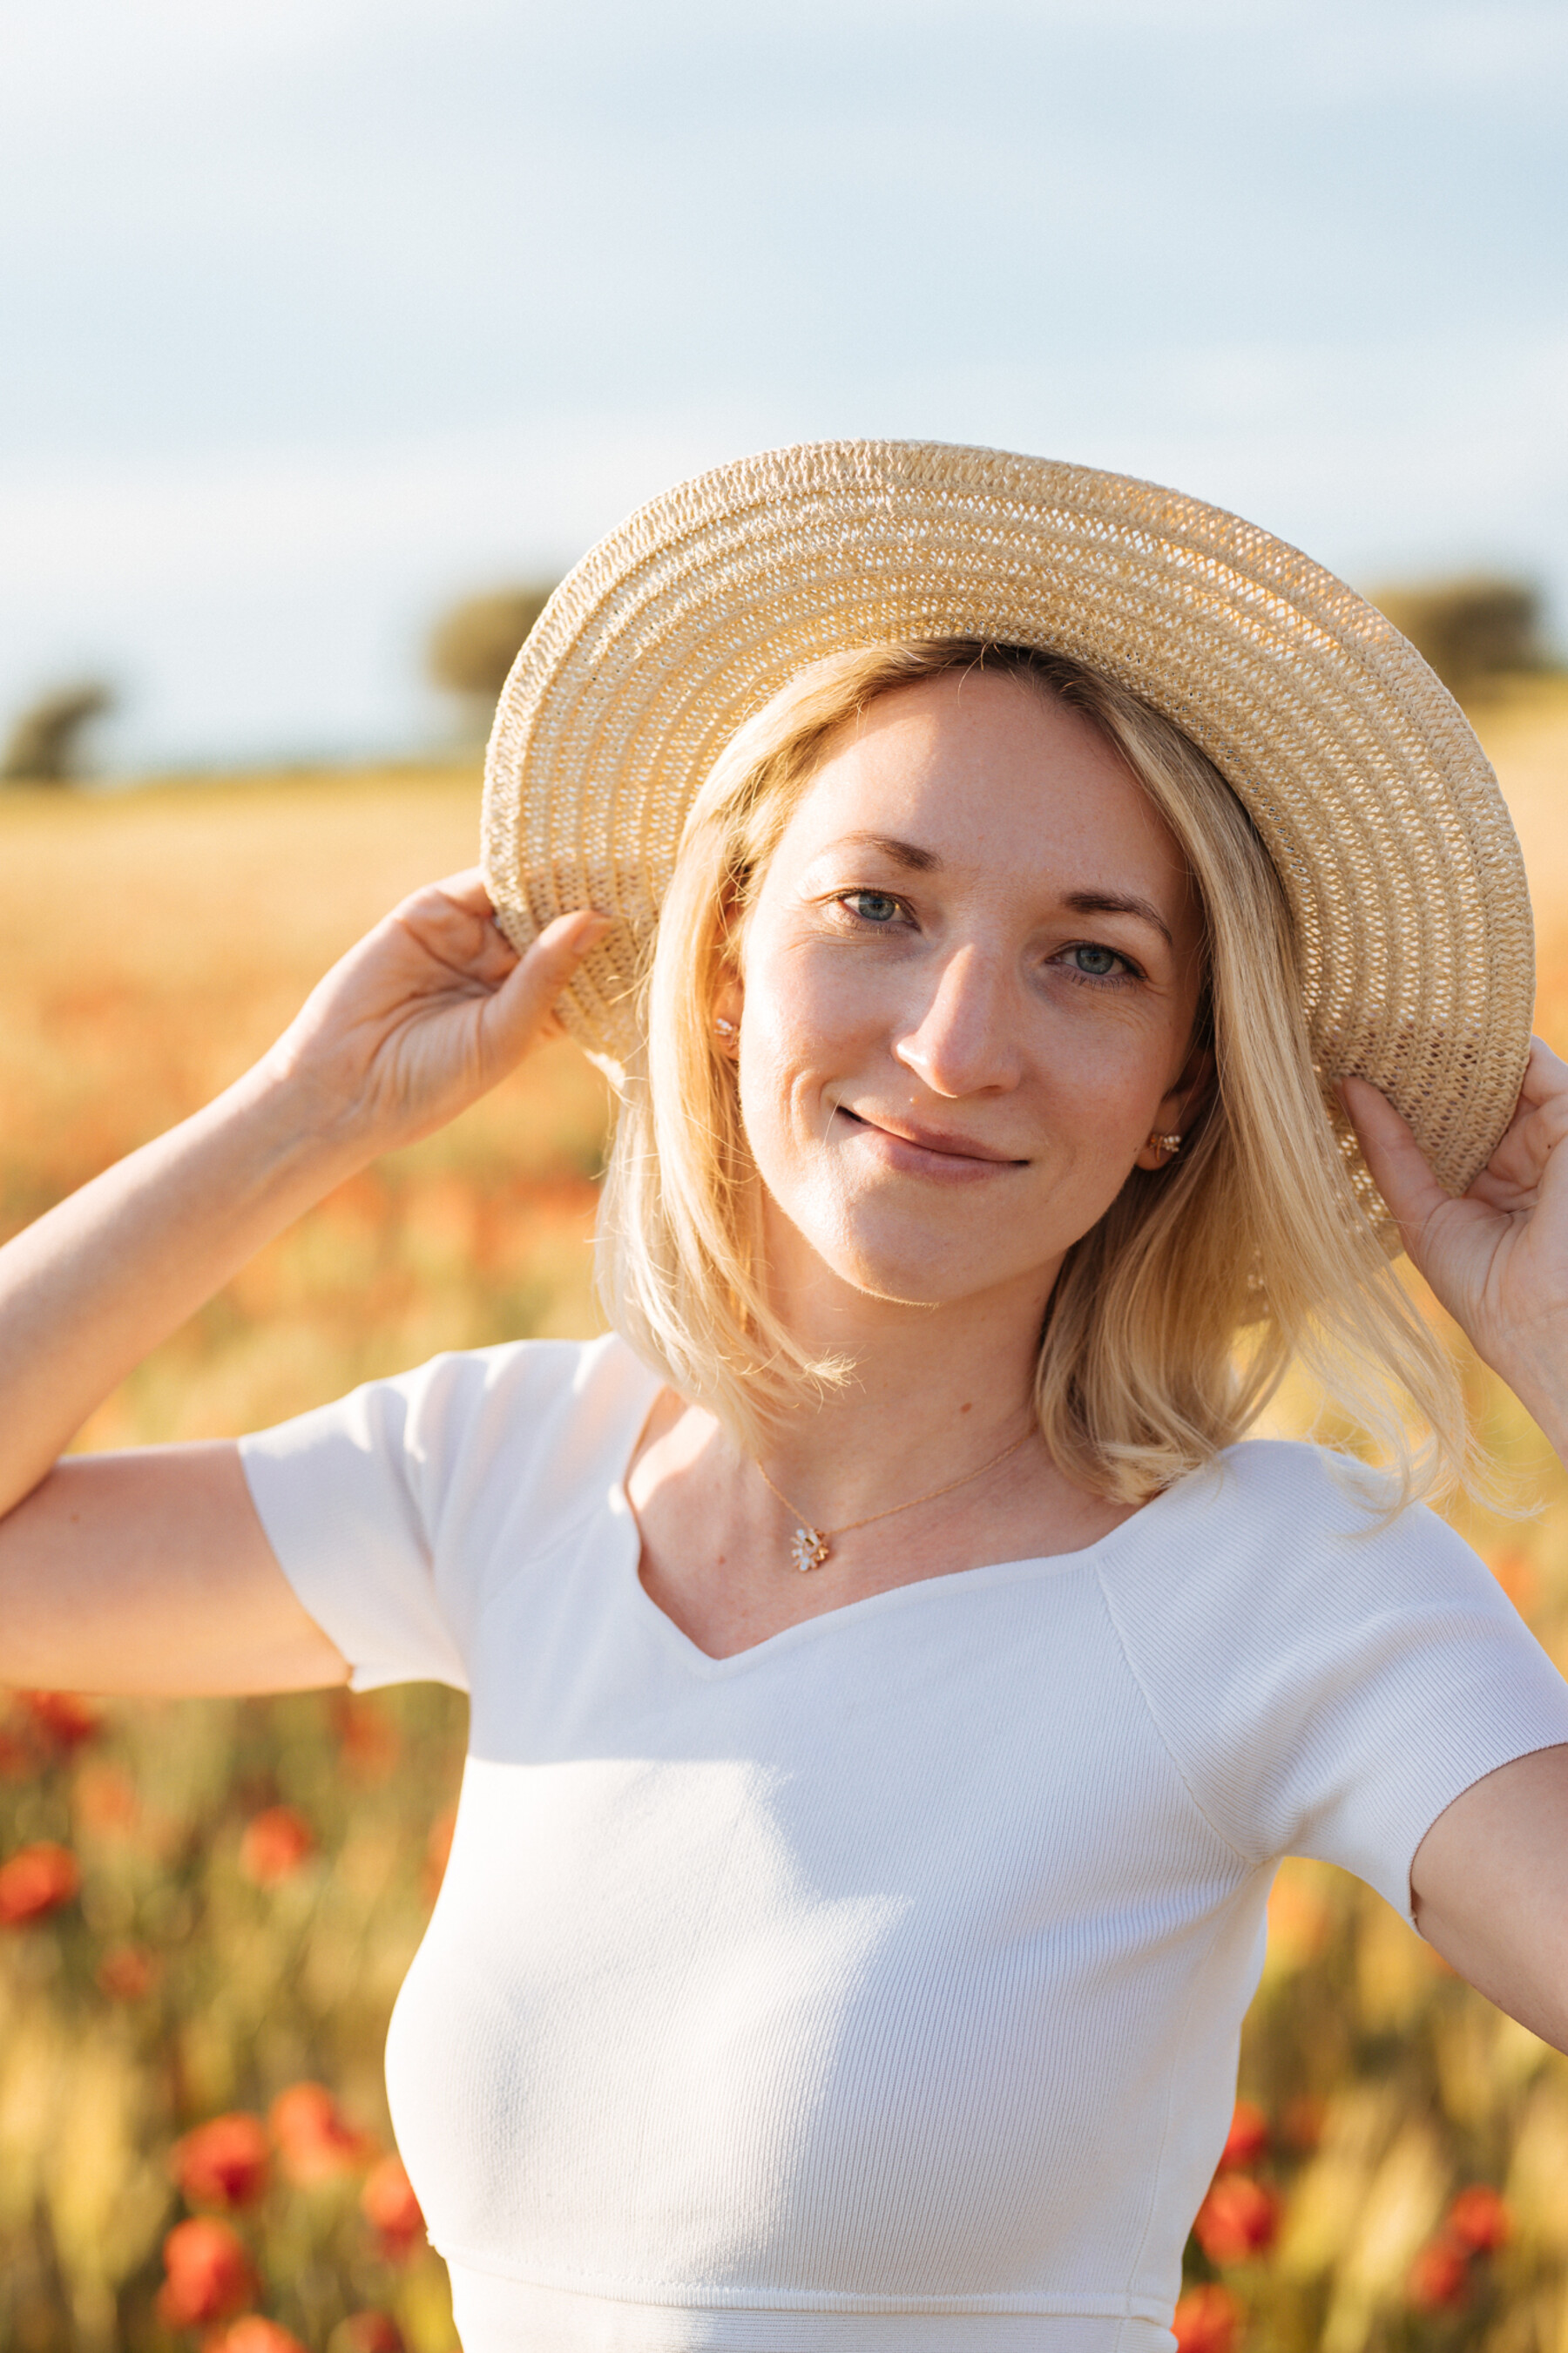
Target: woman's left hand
{"points": [[1497, 1257]]}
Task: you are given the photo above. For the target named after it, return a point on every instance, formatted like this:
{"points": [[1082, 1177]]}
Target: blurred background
{"points": [[333, 333], [320, 313]]}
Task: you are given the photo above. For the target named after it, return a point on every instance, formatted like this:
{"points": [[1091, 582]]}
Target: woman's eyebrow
{"points": [[907, 854], [1119, 902]]}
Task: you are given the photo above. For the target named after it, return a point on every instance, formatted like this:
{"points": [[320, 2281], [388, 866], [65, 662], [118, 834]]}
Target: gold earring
{"points": [[1169, 1145]]}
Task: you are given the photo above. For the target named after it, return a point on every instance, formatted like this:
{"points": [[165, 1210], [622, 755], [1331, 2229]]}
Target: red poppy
{"points": [[366, 2332], [224, 2162], [315, 2141], [1207, 2321], [128, 1972], [65, 1718], [275, 1844], [36, 1881], [252, 2334], [1238, 2219], [1248, 2139], [1439, 2278], [1478, 2220], [369, 1741], [209, 2275], [388, 2201], [438, 1851], [104, 1798]]}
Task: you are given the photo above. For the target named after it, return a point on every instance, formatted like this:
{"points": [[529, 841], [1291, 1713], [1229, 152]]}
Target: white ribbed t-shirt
{"points": [[880, 1987]]}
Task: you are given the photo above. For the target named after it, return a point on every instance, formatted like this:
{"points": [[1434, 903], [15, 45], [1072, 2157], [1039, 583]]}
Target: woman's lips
{"points": [[924, 1151]]}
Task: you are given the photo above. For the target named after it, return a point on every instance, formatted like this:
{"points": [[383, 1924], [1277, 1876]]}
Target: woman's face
{"points": [[967, 989]]}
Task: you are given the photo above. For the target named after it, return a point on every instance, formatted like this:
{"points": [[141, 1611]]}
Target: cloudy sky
{"points": [[318, 313]]}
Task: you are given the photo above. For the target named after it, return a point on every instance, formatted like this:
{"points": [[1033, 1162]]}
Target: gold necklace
{"points": [[809, 1547]]}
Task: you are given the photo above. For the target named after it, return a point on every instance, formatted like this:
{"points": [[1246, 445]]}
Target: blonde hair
{"points": [[1174, 1317]]}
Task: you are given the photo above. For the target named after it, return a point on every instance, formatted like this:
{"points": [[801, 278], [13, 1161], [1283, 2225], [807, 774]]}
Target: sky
{"points": [[321, 313]]}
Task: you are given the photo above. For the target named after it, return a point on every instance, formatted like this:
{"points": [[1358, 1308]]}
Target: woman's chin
{"points": [[925, 1277]]}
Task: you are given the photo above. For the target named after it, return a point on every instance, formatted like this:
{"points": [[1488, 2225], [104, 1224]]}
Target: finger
{"points": [[1398, 1165], [518, 1010], [1528, 1146], [1545, 1074], [466, 890]]}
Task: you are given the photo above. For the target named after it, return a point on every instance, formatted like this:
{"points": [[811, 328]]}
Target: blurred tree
{"points": [[1475, 630], [45, 744], [473, 646]]}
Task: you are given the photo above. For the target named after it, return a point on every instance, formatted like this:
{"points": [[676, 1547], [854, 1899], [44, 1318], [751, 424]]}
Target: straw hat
{"points": [[1374, 800]]}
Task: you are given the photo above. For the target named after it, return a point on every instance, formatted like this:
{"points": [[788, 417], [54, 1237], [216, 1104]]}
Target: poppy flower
{"points": [[252, 2334], [315, 2141], [208, 2274], [35, 1881], [388, 2201], [128, 1972], [369, 1741], [366, 2332], [1207, 2320], [438, 1851], [1439, 2278], [224, 2162], [104, 1798], [275, 1843], [1238, 2219], [1478, 2220], [65, 1718], [1248, 2139]]}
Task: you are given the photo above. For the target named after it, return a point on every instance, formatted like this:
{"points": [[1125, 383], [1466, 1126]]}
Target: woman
{"points": [[894, 1680]]}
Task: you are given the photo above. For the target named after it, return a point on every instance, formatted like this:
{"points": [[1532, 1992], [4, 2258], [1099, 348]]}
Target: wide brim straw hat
{"points": [[1364, 779]]}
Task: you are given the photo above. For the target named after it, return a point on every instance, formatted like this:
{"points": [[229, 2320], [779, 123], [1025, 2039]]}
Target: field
{"points": [[205, 1907]]}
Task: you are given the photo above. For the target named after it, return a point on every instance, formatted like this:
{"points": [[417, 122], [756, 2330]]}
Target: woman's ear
{"points": [[1179, 1109], [726, 1014]]}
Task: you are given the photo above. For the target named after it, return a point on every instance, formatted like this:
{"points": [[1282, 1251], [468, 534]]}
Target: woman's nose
{"points": [[965, 1038]]}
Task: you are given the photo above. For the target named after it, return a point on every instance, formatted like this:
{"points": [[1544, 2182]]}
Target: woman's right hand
{"points": [[149, 1571], [423, 1016]]}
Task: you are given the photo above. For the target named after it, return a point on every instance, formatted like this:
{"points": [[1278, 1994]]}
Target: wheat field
{"points": [[205, 1907]]}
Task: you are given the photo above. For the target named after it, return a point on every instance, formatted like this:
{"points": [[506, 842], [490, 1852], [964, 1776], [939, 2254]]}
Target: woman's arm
{"points": [[1491, 1888], [1491, 1877], [150, 1571]]}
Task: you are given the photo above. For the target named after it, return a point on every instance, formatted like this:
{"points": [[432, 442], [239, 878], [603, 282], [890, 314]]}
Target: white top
{"points": [[879, 1986]]}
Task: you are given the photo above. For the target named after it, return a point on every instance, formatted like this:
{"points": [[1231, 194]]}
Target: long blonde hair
{"points": [[1173, 1318]]}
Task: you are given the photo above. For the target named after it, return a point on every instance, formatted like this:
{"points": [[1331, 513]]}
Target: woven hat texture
{"points": [[1363, 778]]}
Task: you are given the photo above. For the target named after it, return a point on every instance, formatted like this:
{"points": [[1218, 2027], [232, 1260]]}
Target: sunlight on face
{"points": [[969, 981]]}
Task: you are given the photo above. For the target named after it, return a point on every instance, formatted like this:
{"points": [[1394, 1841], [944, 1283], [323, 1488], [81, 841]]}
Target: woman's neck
{"points": [[930, 1392]]}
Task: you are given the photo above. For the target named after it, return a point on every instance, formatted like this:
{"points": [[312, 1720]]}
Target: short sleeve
{"points": [[1327, 1684], [392, 1511]]}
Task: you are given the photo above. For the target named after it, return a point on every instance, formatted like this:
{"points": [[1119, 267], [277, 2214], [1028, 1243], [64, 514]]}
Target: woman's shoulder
{"points": [[1320, 1490], [571, 1408], [1294, 1474], [517, 1375], [1277, 1535], [536, 1415]]}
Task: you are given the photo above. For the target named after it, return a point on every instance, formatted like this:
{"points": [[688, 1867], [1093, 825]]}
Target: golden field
{"points": [[237, 1887]]}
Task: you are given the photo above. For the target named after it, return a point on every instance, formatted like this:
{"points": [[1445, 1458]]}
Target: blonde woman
{"points": [[894, 1672]]}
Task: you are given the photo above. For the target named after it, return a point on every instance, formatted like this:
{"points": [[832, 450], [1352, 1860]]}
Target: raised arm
{"points": [[149, 1570], [1491, 1877]]}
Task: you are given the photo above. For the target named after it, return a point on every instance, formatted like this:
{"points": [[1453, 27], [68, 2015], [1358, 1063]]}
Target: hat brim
{"points": [[1385, 822]]}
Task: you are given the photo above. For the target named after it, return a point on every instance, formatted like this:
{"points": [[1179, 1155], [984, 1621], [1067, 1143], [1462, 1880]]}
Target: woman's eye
{"points": [[872, 906], [1098, 963]]}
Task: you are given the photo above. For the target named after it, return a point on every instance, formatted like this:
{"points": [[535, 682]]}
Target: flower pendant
{"points": [[807, 1550]]}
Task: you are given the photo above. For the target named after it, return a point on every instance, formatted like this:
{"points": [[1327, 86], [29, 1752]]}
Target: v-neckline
{"points": [[944, 1582]]}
